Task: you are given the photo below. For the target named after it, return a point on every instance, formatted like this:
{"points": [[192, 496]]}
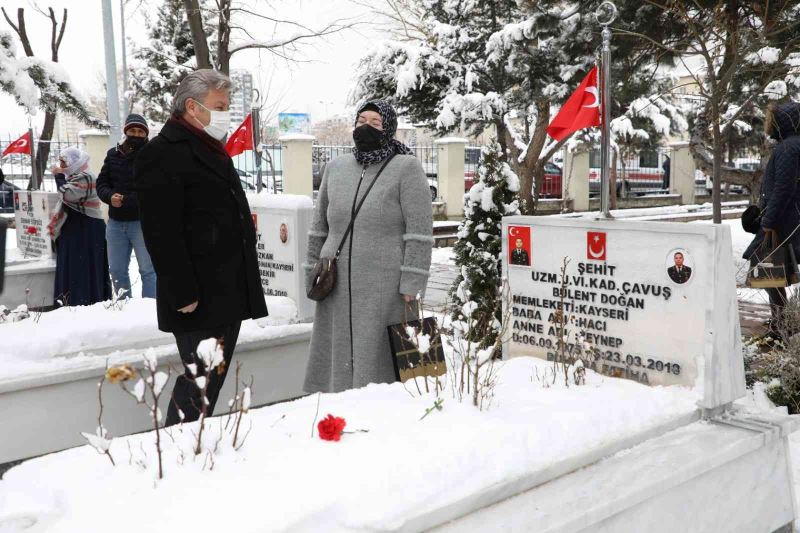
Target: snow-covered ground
{"points": [[285, 479], [443, 256], [53, 341]]}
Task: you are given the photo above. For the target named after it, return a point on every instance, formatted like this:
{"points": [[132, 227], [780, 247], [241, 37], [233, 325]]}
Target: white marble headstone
{"points": [[656, 301], [282, 225], [32, 213]]}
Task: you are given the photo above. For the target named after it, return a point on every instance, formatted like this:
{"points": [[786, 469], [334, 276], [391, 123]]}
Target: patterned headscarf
{"points": [[390, 144]]}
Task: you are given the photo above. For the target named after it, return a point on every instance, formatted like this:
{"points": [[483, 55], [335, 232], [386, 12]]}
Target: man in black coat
{"points": [[679, 273], [123, 231], [200, 235]]}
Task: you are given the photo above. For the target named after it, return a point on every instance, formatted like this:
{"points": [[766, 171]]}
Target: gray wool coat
{"points": [[391, 255]]}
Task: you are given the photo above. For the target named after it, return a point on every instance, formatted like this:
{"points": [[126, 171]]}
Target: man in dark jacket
{"points": [[200, 235], [780, 195], [124, 232]]}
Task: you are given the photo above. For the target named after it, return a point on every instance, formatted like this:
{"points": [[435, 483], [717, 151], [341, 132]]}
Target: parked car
{"points": [[551, 186], [7, 197]]}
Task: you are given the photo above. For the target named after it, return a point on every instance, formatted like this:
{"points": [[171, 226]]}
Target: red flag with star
{"points": [[582, 110], [20, 146], [596, 245], [242, 138]]}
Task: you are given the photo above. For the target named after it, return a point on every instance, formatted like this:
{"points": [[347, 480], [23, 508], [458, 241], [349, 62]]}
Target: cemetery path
{"points": [[439, 284]]}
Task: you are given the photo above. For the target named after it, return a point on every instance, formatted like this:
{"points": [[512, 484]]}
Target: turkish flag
{"points": [[20, 146], [582, 110], [596, 245], [242, 138]]}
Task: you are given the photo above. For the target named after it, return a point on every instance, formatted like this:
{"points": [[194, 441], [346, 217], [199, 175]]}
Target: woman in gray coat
{"points": [[384, 263]]}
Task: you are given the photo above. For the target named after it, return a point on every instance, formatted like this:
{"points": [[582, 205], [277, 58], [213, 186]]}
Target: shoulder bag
{"points": [[324, 274]]}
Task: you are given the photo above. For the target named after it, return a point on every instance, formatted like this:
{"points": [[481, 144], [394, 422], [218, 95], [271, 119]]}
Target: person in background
{"points": [[79, 232], [780, 197], [200, 234], [666, 168], [124, 232]]}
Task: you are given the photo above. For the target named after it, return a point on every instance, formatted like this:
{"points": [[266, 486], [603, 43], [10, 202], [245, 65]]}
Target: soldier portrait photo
{"points": [[284, 233], [679, 272], [519, 256]]}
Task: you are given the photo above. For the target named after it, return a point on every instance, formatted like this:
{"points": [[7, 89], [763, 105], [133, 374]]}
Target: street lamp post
{"points": [[112, 93]]}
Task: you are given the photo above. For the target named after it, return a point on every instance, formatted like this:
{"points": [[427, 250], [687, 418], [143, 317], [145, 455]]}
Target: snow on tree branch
{"points": [[37, 83]]}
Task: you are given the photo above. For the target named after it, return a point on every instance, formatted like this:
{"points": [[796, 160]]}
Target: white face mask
{"points": [[220, 121]]}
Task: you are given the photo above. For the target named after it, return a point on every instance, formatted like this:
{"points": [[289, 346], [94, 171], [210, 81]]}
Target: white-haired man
{"points": [[199, 232]]}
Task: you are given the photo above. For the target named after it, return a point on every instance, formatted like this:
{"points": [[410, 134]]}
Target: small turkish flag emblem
{"points": [[596, 245]]}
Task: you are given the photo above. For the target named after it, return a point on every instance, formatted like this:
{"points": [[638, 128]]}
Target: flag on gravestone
{"points": [[582, 110], [242, 138], [20, 146], [596, 245], [519, 245]]}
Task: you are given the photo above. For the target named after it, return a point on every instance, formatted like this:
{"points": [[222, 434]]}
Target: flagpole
{"points": [[34, 183], [609, 10], [256, 113]]}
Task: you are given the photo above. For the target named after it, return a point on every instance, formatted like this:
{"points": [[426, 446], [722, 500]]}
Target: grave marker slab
{"points": [[32, 213], [655, 302], [282, 224]]}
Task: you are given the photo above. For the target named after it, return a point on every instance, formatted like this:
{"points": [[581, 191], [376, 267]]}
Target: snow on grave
{"points": [[282, 225], [544, 458], [30, 267], [50, 365], [399, 472]]}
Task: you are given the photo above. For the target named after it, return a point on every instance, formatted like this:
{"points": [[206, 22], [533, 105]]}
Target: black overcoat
{"points": [[780, 192], [199, 232]]}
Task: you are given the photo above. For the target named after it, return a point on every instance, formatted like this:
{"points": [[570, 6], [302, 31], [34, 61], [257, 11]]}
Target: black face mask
{"points": [[132, 144], [367, 138]]}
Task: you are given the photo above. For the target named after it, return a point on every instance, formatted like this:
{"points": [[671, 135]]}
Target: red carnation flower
{"points": [[331, 428], [31, 230]]}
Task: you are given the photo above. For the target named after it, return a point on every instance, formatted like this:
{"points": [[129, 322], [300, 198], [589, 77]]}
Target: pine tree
{"points": [[160, 66], [476, 291]]}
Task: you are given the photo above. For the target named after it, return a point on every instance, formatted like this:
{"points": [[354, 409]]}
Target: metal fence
{"points": [[271, 168], [17, 167]]}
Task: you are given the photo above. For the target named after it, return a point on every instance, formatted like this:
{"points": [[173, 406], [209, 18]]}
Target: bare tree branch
{"points": [[20, 29]]}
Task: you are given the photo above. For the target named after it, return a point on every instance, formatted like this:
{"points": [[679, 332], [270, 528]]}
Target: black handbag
{"points": [[324, 274], [751, 219], [407, 360]]}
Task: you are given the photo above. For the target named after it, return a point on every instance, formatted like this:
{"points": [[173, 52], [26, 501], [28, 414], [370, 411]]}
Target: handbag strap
{"points": [[358, 208]]}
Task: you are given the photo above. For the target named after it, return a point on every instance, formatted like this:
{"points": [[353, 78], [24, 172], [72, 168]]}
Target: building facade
{"points": [[241, 96]]}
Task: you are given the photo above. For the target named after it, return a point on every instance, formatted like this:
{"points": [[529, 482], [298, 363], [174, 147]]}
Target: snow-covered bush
{"points": [[476, 290], [202, 444]]}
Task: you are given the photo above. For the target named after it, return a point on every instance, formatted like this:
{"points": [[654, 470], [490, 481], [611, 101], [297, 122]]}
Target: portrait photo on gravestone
{"points": [[519, 244], [679, 266]]}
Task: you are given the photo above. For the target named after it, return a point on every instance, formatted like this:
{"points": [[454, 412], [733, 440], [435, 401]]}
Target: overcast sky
{"points": [[319, 86]]}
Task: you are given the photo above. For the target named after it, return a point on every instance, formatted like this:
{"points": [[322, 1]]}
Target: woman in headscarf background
{"points": [[78, 228], [384, 263], [780, 197]]}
